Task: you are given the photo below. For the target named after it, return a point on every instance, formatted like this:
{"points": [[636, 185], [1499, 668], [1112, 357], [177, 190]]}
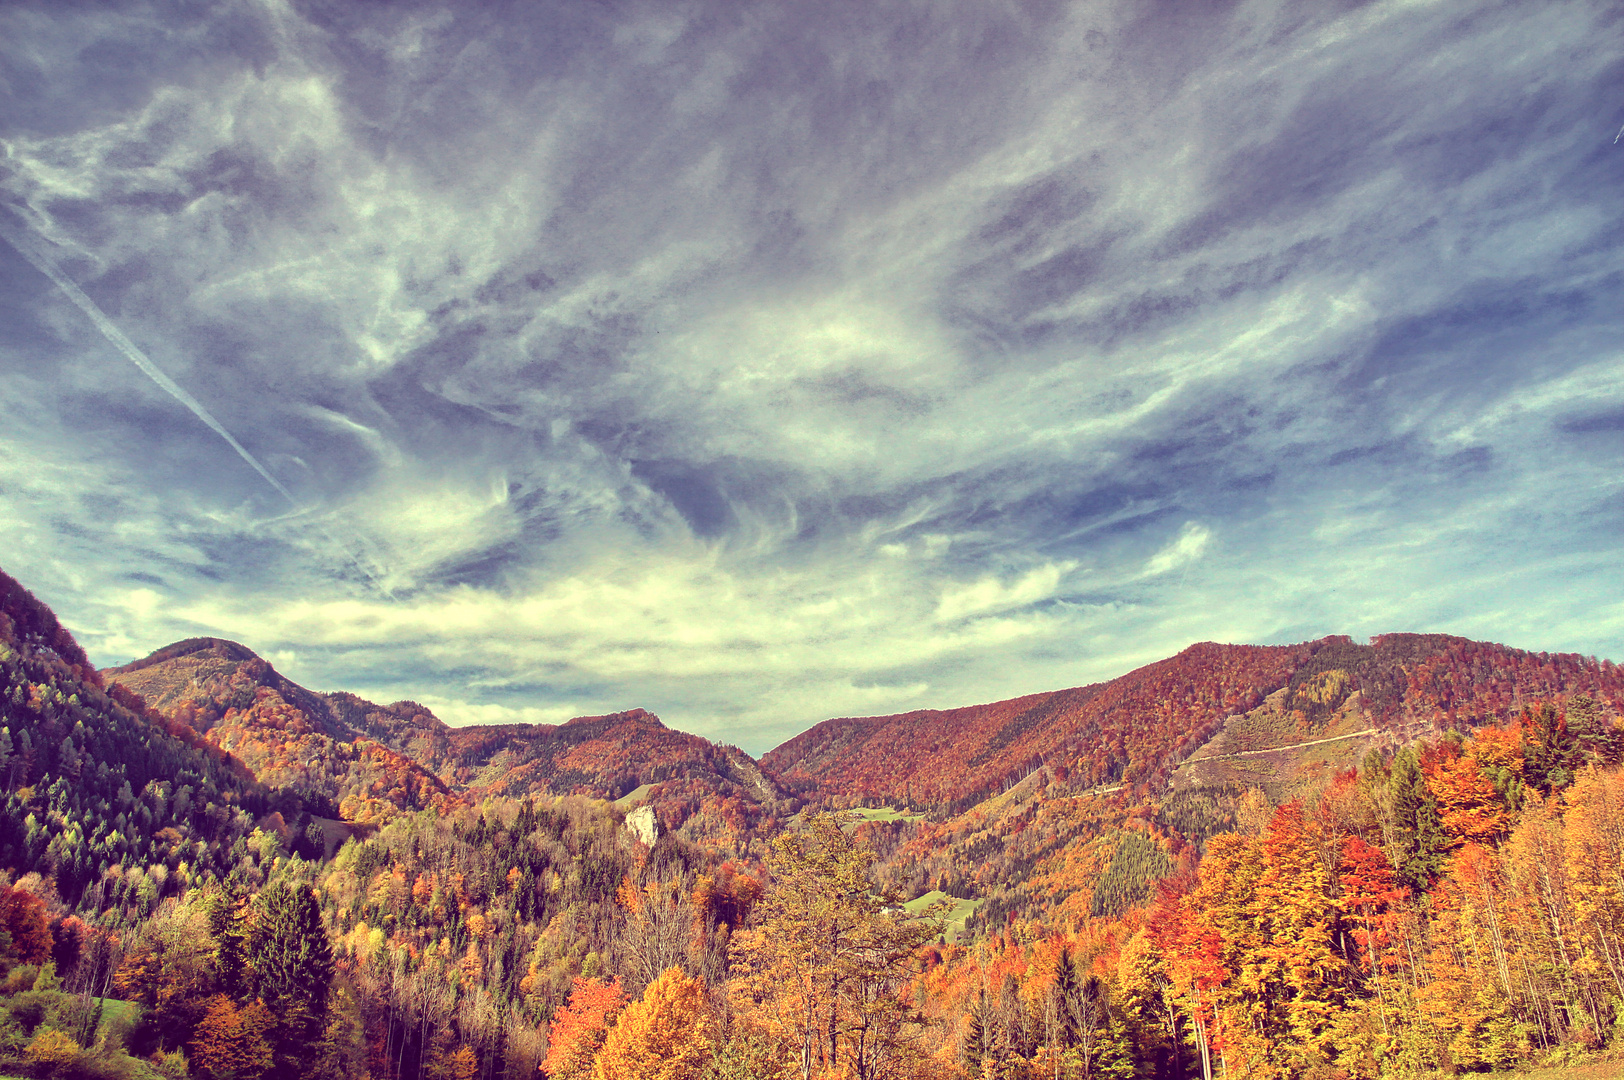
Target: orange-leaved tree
{"points": [[668, 1034], [232, 1043], [22, 914], [579, 1028], [1469, 806], [1371, 894]]}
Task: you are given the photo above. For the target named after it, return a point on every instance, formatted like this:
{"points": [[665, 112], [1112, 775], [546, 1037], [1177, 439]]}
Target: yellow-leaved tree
{"points": [[827, 968], [668, 1034]]}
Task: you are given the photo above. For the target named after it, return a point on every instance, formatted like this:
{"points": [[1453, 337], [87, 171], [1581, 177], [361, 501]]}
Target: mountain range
{"points": [[1187, 734], [1208, 716], [365, 761], [202, 763]]}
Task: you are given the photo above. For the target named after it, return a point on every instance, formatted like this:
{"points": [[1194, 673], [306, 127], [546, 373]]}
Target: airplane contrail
{"points": [[42, 262]]}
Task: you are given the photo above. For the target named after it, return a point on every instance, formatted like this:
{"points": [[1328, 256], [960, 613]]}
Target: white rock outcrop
{"points": [[644, 825]]}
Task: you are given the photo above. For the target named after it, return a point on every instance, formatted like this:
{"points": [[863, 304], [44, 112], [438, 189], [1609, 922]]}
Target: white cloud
{"points": [[990, 594], [1190, 545], [460, 713]]}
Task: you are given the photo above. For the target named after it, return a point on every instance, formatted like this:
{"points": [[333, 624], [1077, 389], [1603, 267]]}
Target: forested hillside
{"points": [[1136, 728], [287, 735], [1423, 871], [370, 761], [105, 798]]}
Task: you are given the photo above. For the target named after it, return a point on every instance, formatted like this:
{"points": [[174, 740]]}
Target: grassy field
{"points": [[1604, 1067], [956, 915], [632, 798], [1594, 1070], [881, 813], [113, 1009]]}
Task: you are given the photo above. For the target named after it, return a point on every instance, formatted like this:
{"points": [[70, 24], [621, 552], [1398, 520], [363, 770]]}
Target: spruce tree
{"points": [[226, 928], [291, 960], [1067, 989], [975, 1035], [1551, 753], [1419, 842]]}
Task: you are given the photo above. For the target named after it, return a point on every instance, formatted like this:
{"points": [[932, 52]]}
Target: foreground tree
{"points": [[291, 960], [669, 1034], [232, 1043], [578, 1030], [828, 964]]}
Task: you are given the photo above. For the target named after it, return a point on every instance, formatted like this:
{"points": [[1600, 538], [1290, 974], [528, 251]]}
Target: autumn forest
{"points": [[1329, 860]]}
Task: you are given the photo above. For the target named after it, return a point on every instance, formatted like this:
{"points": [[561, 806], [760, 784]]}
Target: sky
{"points": [[761, 363]]}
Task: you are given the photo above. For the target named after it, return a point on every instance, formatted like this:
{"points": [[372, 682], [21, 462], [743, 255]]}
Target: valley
{"points": [[1085, 882]]}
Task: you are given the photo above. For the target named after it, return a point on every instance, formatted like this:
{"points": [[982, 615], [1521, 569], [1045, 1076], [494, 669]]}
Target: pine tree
{"points": [[292, 963], [1067, 990], [1551, 753], [975, 1034], [1598, 739], [1418, 839], [226, 919]]}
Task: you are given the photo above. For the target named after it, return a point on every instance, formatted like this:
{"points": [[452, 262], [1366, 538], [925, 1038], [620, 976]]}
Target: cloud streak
{"points": [[28, 249]]}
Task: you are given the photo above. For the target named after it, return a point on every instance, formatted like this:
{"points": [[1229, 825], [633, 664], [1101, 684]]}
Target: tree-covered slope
{"points": [[369, 761], [95, 783], [1137, 728], [1122, 729], [288, 736]]}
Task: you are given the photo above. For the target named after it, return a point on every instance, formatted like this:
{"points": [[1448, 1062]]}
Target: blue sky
{"points": [[756, 364]]}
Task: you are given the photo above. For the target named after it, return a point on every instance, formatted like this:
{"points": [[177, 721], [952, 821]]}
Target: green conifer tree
{"points": [[975, 1035], [291, 960], [1419, 841], [1551, 753], [1068, 991]]}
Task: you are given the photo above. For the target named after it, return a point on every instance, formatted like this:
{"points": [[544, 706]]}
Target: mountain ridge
{"points": [[369, 761], [1139, 727]]}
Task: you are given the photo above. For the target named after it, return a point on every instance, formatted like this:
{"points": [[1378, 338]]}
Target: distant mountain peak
{"points": [[372, 760], [224, 648], [632, 715]]}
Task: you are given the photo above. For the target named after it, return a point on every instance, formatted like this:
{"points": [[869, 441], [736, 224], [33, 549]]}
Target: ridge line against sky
{"points": [[760, 367]]}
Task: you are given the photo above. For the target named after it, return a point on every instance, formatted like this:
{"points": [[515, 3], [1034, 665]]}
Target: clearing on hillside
{"points": [[956, 915]]}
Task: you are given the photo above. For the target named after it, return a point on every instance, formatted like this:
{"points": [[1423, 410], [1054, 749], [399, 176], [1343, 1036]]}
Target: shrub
{"points": [[170, 1066], [19, 978], [53, 1051]]}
